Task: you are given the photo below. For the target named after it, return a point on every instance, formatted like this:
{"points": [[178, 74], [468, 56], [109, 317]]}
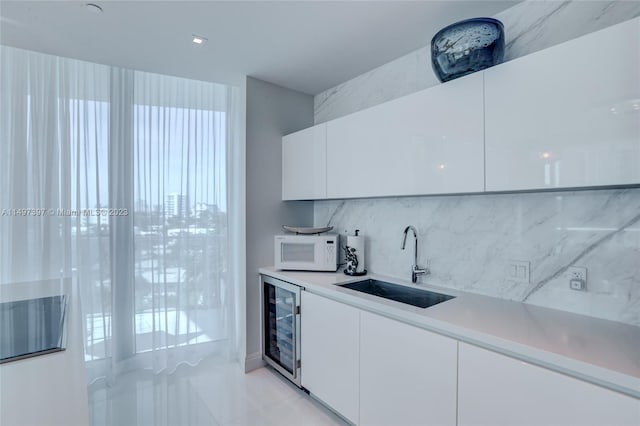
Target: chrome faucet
{"points": [[415, 269]]}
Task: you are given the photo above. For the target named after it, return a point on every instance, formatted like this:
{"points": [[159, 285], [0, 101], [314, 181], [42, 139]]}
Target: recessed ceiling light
{"points": [[93, 8], [198, 39]]}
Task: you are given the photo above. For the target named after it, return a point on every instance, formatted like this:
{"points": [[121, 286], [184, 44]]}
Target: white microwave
{"points": [[306, 252]]}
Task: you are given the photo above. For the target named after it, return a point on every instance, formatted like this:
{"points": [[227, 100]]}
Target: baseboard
{"points": [[253, 361]]}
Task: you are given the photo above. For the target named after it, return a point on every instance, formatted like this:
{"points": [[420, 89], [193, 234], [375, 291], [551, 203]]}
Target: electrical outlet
{"points": [[518, 271], [577, 278]]}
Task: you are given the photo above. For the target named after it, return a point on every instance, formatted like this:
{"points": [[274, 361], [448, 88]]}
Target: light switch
{"points": [[523, 271], [513, 269]]}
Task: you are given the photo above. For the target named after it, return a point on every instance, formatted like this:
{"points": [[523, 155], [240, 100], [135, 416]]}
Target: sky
{"points": [[175, 150]]}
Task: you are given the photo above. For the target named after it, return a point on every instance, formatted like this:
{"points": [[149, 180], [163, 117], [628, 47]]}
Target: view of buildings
{"points": [[179, 264]]}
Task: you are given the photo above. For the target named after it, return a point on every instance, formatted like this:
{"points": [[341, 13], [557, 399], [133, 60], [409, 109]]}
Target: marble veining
{"points": [[612, 233], [400, 77], [529, 26], [533, 26], [469, 242]]}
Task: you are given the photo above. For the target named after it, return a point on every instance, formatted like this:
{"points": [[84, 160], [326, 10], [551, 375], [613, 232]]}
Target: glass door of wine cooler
{"points": [[281, 327]]}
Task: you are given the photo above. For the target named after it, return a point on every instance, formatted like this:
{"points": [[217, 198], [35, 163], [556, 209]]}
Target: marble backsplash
{"points": [[529, 26], [469, 242]]}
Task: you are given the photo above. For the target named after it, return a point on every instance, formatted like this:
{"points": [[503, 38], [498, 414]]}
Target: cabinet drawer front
{"points": [[407, 375], [330, 350], [497, 390]]}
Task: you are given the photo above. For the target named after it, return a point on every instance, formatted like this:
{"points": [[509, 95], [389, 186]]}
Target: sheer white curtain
{"points": [[53, 144], [132, 172], [182, 291]]}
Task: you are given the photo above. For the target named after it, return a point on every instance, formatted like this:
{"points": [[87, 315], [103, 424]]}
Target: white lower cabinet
{"points": [[407, 375], [496, 390], [377, 371], [329, 347]]}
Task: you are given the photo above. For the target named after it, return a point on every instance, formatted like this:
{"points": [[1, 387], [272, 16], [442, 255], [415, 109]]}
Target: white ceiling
{"points": [[308, 46]]}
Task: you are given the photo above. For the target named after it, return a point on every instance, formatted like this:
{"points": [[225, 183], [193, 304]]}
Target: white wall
{"points": [[272, 111], [48, 389], [236, 161], [469, 241]]}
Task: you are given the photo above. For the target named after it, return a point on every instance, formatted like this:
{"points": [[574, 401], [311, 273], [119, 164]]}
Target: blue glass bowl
{"points": [[466, 47]]}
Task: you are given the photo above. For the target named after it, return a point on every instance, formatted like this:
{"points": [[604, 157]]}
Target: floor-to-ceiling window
{"points": [[120, 179]]}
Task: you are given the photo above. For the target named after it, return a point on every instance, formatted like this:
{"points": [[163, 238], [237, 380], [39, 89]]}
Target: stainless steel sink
{"points": [[399, 293]]}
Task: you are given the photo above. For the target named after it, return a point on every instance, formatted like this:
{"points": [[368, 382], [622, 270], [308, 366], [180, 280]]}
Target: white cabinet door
{"points": [[429, 142], [304, 164], [498, 390], [567, 116], [329, 352], [407, 375]]}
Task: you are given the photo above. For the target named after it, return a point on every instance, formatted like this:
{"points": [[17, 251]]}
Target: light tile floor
{"points": [[214, 393]]}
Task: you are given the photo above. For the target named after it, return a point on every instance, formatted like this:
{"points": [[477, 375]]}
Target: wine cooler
{"points": [[281, 327]]}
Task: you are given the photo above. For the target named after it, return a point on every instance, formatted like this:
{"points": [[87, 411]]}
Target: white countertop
{"points": [[605, 353]]}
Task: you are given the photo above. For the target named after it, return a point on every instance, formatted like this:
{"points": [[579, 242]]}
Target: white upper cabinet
{"points": [[304, 162], [567, 116], [429, 142]]}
